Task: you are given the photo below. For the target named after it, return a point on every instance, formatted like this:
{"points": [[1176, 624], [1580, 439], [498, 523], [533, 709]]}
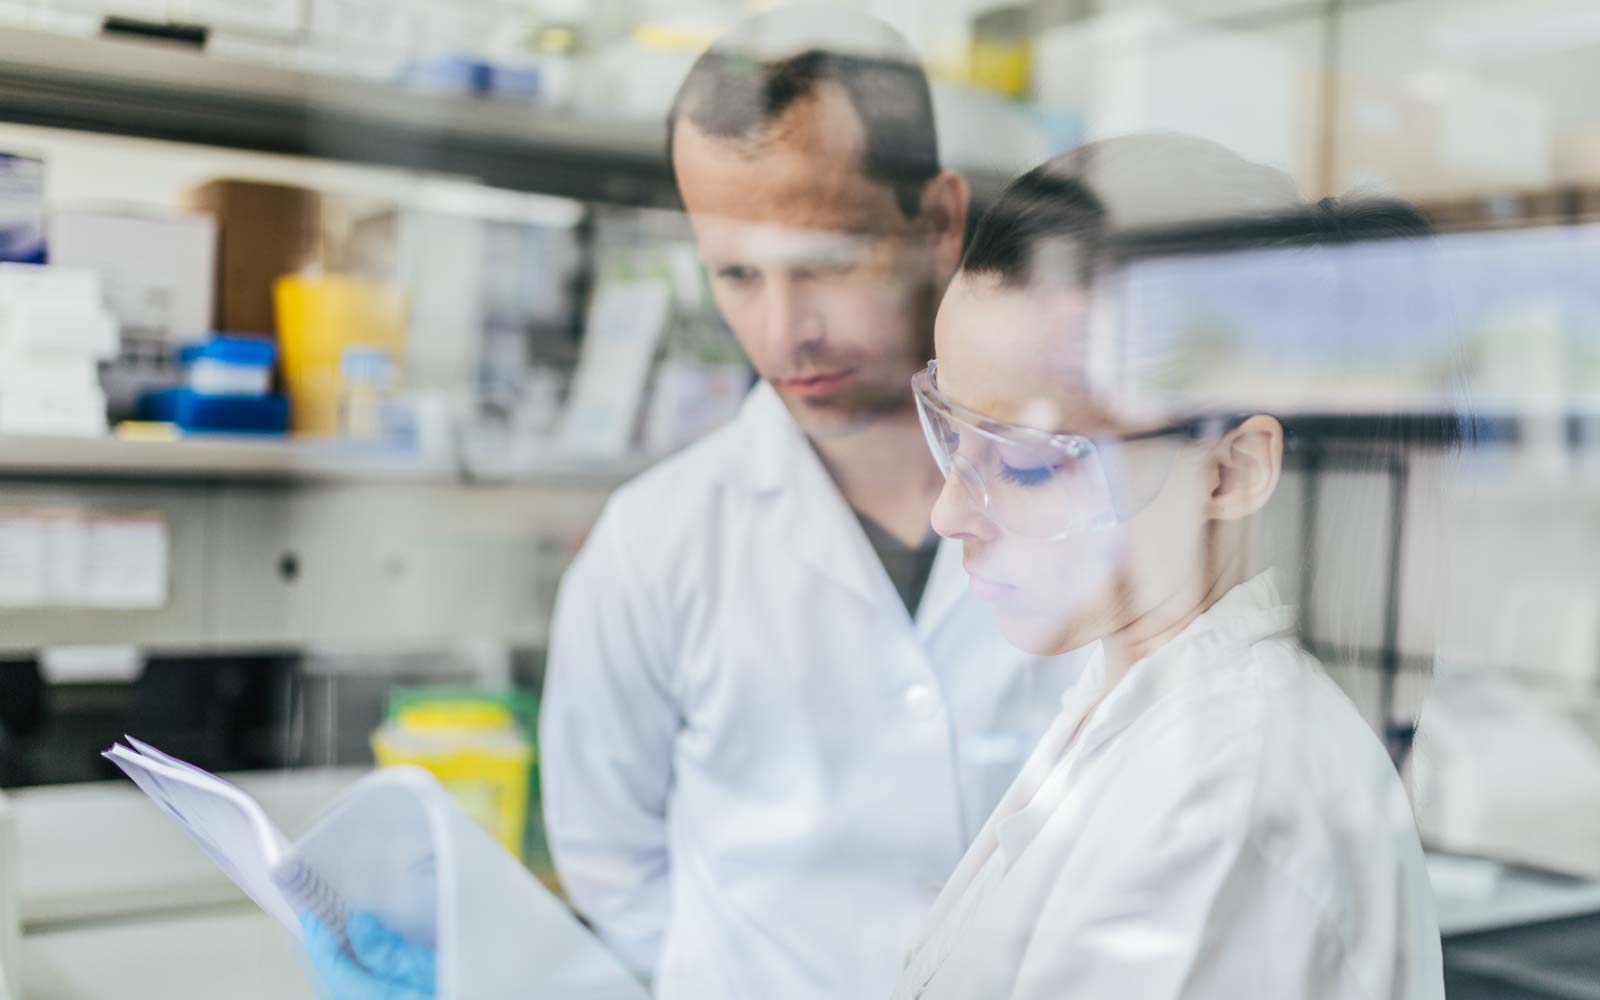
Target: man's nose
{"points": [[794, 325]]}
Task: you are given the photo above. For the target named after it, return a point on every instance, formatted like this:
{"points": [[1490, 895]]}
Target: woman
{"points": [[1209, 816]]}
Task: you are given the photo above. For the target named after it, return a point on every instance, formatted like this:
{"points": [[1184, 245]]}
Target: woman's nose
{"points": [[957, 514]]}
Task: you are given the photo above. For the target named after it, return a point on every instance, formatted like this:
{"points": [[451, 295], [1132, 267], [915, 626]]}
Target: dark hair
{"points": [[1035, 210], [1047, 208], [1043, 207], [732, 95]]}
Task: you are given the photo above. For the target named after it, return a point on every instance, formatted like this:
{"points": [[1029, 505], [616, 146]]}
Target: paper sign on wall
{"points": [[626, 322], [70, 559], [22, 562]]}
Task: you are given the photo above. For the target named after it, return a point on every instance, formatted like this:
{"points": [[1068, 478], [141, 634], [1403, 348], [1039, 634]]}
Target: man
{"points": [[774, 719]]}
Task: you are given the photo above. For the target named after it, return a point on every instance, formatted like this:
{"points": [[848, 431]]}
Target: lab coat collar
{"points": [[947, 585], [777, 458], [1247, 614], [1251, 612], [768, 442], [810, 513]]}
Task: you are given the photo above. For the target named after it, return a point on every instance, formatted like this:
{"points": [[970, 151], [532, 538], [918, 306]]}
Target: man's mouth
{"points": [[816, 385]]}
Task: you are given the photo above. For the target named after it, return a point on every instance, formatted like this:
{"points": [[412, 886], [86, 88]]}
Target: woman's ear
{"points": [[945, 200], [1247, 464]]}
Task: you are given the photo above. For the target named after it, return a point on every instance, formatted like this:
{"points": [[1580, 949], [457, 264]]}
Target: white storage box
{"points": [[56, 375], [34, 282], [158, 271], [49, 330], [275, 19], [68, 414]]}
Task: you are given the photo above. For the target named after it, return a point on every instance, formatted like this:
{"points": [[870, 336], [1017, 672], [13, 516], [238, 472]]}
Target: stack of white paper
{"points": [[54, 332], [395, 845]]}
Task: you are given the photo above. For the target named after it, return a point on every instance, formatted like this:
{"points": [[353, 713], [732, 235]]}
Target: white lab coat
{"points": [[1223, 825], [749, 747]]}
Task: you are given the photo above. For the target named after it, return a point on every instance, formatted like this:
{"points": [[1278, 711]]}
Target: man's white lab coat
{"points": [[1224, 825], [758, 770]]}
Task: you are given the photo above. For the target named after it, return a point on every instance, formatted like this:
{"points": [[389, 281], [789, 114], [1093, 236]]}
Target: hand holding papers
{"points": [[395, 846]]}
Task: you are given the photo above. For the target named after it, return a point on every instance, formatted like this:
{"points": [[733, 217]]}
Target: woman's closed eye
{"points": [[1032, 475]]}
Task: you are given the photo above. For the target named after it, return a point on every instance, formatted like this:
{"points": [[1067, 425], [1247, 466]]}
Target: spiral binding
{"points": [[308, 892]]}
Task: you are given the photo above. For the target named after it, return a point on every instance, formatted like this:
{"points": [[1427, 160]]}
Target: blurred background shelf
{"points": [[245, 458], [158, 90], [162, 91]]}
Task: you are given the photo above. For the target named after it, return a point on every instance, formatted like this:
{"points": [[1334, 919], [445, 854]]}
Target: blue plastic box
{"points": [[196, 413]]}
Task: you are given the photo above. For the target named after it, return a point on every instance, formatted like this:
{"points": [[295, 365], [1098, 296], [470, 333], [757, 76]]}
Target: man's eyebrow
{"points": [[821, 248]]}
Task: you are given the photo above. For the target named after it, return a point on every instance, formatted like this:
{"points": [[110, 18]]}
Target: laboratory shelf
{"points": [[163, 91], [246, 458], [202, 458]]}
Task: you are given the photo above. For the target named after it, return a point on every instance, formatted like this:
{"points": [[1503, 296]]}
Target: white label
{"points": [[125, 563], [22, 561], [70, 559], [90, 664]]}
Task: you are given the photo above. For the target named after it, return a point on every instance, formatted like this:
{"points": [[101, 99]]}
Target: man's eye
{"points": [[1028, 476], [737, 273], [830, 268]]}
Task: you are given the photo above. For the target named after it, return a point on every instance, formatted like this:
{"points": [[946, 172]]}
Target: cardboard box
{"points": [[156, 270], [265, 231]]}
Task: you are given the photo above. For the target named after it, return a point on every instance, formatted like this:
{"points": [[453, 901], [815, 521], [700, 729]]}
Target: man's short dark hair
{"points": [[734, 95]]}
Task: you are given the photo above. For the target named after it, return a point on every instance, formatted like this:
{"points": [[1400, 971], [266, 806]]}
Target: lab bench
{"points": [[235, 952], [115, 901], [1517, 934]]}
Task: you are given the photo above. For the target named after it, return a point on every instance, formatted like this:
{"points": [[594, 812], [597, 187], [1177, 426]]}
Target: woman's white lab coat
{"points": [[1224, 824]]}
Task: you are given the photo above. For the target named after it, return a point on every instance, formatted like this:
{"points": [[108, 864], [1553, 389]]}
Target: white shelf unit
{"points": [[275, 546], [243, 458]]}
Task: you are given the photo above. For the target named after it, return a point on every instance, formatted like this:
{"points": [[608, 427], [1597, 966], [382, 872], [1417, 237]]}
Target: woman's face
{"points": [[1021, 357]]}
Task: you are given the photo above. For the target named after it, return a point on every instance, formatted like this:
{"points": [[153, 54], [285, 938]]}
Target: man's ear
{"points": [[945, 200], [1246, 464]]}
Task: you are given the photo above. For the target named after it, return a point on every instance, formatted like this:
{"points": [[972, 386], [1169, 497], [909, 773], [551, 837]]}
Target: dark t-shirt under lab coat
{"points": [[908, 568]]}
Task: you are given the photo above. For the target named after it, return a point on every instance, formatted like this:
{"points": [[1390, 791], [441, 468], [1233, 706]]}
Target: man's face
{"points": [[827, 286]]}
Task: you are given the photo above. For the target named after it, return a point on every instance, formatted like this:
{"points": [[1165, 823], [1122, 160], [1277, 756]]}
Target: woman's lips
{"points": [[990, 591], [816, 385]]}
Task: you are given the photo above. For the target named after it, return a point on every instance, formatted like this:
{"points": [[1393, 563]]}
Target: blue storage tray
{"points": [[195, 413]]}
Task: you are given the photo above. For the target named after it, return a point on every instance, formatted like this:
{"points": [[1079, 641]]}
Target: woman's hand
{"points": [[386, 966]]}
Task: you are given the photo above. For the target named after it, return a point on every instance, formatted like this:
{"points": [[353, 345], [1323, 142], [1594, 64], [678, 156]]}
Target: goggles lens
{"points": [[1030, 483]]}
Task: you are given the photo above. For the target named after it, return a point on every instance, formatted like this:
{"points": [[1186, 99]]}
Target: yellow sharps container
{"points": [[321, 318], [476, 750]]}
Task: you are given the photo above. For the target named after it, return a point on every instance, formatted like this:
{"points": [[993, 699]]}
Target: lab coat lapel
{"points": [[947, 584], [810, 516], [1218, 640]]}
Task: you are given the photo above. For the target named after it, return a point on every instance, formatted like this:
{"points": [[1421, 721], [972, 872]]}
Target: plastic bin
{"points": [[477, 750], [320, 318], [229, 366]]}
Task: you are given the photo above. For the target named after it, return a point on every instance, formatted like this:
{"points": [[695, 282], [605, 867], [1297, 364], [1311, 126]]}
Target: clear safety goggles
{"points": [[1041, 485]]}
